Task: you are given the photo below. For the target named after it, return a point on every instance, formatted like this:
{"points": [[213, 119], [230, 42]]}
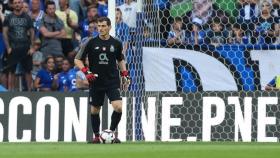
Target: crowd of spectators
{"points": [[257, 22], [61, 26], [39, 40]]}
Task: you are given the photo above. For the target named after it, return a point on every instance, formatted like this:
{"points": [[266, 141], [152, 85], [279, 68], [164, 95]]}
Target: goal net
{"points": [[199, 69]]}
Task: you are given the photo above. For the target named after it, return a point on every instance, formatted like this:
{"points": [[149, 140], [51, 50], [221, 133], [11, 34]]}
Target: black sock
{"points": [[115, 119], [95, 123]]}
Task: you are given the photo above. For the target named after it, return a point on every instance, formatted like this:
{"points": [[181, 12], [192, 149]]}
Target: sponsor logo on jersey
{"points": [[112, 48], [103, 59]]}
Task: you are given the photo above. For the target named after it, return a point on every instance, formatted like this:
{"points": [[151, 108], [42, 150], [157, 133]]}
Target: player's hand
{"points": [[125, 79], [89, 75]]}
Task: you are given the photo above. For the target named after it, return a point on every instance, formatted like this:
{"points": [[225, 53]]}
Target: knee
{"points": [[95, 109], [117, 105], [118, 109]]}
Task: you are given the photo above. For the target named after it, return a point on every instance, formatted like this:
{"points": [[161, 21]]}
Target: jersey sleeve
{"points": [[84, 49]]}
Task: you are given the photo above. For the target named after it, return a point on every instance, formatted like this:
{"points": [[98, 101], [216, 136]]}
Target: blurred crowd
{"points": [[40, 38], [256, 22]]}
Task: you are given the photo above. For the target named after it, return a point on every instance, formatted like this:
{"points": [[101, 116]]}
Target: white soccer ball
{"points": [[107, 136]]}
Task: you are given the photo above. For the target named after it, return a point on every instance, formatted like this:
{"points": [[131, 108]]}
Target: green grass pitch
{"points": [[143, 150]]}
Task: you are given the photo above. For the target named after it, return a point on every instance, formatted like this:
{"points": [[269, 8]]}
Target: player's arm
{"points": [[122, 67], [82, 53], [123, 70], [79, 63], [120, 58], [124, 75]]}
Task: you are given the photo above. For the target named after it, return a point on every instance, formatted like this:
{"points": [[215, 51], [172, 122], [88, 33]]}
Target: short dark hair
{"points": [[59, 56], [236, 25], [69, 61], [216, 20], [118, 9], [101, 19], [94, 20], [47, 59], [146, 28], [49, 3], [177, 19]]}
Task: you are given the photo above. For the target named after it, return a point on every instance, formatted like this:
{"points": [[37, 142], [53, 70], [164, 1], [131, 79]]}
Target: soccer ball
{"points": [[107, 136]]}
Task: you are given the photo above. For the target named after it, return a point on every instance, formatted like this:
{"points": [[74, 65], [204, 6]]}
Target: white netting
{"points": [[224, 46]]}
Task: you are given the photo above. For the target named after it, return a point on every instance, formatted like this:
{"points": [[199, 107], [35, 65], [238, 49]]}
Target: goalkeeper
{"points": [[103, 75]]}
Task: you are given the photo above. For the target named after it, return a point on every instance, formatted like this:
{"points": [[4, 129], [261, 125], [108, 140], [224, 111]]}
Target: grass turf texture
{"points": [[143, 150]]}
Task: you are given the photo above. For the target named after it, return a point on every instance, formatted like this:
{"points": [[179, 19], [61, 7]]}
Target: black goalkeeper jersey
{"points": [[103, 56]]}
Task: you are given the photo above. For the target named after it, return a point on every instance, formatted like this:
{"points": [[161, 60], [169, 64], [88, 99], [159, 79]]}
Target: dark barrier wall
{"points": [[43, 116], [223, 116], [165, 116]]}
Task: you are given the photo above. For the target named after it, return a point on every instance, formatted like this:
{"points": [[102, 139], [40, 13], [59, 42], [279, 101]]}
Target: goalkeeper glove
{"points": [[89, 75], [125, 77]]}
